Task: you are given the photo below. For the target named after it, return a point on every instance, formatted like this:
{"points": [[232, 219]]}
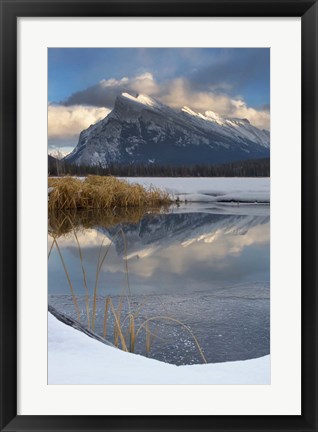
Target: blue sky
{"points": [[85, 82]]}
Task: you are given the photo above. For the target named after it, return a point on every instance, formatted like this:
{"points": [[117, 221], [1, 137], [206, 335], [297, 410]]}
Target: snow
{"points": [[222, 190], [74, 358], [209, 115], [189, 111], [214, 116], [109, 136], [203, 189], [230, 127], [142, 99]]}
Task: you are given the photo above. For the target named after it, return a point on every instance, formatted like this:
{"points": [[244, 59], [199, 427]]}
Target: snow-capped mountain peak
{"points": [[208, 115], [141, 99], [141, 129], [189, 111], [211, 115]]}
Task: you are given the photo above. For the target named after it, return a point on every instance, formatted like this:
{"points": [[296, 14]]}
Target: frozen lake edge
{"points": [[211, 189]]}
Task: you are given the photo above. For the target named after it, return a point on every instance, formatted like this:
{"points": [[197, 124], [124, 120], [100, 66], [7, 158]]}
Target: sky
{"points": [[83, 84]]}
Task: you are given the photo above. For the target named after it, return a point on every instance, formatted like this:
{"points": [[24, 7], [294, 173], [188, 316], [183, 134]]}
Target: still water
{"points": [[193, 276]]}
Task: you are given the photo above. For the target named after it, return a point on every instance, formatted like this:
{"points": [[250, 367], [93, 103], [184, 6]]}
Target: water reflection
{"points": [[207, 268]]}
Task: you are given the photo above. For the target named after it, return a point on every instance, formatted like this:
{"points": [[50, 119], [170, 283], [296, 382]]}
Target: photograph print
{"points": [[159, 216]]}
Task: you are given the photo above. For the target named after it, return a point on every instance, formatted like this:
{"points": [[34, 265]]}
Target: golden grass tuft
{"points": [[102, 192]]}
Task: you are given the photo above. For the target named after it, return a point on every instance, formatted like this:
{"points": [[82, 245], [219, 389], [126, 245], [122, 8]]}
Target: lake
{"points": [[192, 283]]}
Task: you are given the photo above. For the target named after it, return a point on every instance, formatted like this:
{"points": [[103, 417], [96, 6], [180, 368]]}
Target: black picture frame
{"points": [[10, 11]]}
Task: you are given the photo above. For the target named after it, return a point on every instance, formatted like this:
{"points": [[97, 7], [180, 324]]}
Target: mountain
{"points": [[142, 130], [51, 159], [156, 232]]}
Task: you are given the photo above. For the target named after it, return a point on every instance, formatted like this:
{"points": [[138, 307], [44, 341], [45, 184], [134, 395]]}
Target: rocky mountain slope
{"points": [[142, 130]]}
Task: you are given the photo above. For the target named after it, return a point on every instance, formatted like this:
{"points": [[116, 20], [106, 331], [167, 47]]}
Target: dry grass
{"points": [[102, 192], [62, 222]]}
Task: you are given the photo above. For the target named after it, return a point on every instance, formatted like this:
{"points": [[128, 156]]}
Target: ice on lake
{"points": [[205, 265]]}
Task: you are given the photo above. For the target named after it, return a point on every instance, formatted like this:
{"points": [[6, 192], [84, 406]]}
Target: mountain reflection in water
{"points": [[207, 268]]}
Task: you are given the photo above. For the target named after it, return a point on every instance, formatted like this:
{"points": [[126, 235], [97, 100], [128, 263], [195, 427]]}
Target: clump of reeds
{"points": [[102, 192]]}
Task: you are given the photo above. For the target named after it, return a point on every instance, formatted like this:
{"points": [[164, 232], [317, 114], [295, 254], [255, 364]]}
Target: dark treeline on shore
{"points": [[247, 168]]}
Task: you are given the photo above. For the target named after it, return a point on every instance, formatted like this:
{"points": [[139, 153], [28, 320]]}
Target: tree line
{"points": [[246, 168]]}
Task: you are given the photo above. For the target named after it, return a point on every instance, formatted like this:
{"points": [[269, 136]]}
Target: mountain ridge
{"points": [[141, 129]]}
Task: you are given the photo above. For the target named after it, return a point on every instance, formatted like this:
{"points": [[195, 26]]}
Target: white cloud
{"points": [[68, 121], [259, 118], [173, 259], [112, 82], [176, 93], [143, 83], [65, 122]]}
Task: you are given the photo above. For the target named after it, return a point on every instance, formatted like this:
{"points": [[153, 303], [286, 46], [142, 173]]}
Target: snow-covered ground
{"points": [[210, 189], [217, 189], [74, 358]]}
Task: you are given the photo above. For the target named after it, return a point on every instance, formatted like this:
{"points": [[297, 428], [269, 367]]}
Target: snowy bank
{"points": [[74, 358], [208, 189]]}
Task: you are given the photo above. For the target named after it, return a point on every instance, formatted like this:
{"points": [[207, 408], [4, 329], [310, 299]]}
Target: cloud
{"points": [[179, 92], [242, 68], [68, 121], [105, 92], [259, 118], [176, 93], [175, 260], [65, 123]]}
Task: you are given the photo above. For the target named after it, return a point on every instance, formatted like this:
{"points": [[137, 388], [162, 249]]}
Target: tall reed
{"points": [[126, 330]]}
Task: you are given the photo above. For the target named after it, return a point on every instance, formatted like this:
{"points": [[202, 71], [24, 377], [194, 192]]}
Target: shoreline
{"points": [[75, 358], [164, 191]]}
